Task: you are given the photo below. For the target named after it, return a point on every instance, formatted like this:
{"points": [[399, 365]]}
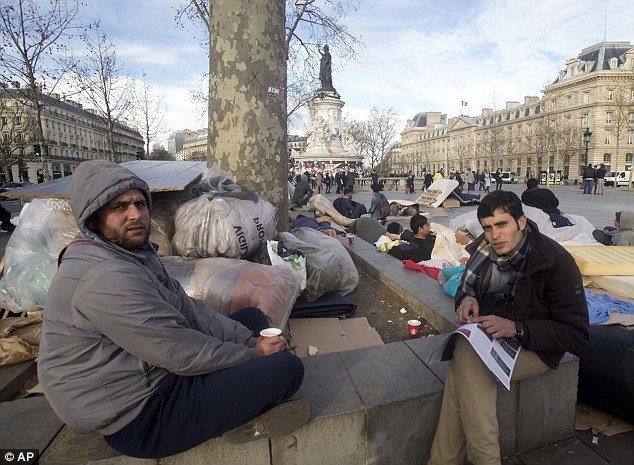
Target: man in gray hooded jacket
{"points": [[125, 352]]}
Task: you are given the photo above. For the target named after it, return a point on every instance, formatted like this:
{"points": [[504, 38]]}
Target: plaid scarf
{"points": [[514, 263]]}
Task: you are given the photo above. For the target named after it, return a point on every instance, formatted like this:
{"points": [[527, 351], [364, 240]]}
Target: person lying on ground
{"points": [[348, 207], [323, 226], [622, 233], [421, 241], [127, 353], [303, 192], [518, 283]]}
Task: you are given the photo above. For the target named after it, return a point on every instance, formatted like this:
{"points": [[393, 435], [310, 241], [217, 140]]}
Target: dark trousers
{"points": [[186, 411]]}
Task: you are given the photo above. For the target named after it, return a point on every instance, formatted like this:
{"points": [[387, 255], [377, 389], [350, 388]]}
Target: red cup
{"points": [[350, 239], [270, 332], [413, 328]]}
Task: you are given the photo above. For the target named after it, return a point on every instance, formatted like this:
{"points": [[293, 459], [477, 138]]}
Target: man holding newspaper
{"points": [[518, 283]]}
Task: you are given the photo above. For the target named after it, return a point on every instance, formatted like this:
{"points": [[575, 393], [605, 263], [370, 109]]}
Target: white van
{"points": [[621, 178]]}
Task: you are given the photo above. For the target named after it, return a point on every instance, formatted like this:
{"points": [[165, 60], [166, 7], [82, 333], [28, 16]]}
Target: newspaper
{"points": [[499, 355]]}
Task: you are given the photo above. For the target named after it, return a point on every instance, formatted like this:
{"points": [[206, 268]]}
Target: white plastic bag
{"points": [[30, 258], [209, 226], [294, 262]]}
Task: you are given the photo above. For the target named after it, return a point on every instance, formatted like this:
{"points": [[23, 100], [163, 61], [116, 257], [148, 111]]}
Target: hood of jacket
{"points": [[97, 182], [627, 220]]}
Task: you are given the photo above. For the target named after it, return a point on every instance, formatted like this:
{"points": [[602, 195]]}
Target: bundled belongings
{"points": [[328, 264], [227, 285], [232, 225], [45, 227], [164, 207], [19, 339], [323, 205]]}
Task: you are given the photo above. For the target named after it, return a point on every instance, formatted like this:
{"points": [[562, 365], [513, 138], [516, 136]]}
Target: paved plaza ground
{"points": [[598, 209]]}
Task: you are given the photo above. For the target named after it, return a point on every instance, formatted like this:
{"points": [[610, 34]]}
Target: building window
{"points": [[614, 63], [568, 121], [631, 118], [628, 161], [608, 137], [610, 95], [586, 97], [584, 119], [630, 138], [608, 117], [570, 100]]}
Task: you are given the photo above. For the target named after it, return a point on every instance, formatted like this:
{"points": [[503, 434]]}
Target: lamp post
{"points": [[586, 140]]}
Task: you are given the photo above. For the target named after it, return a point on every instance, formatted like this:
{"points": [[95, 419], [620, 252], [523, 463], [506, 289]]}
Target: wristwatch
{"points": [[519, 329]]}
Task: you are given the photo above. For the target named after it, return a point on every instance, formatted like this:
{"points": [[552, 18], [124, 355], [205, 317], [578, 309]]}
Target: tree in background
{"points": [[375, 136], [149, 110], [19, 132], [159, 153], [103, 83], [32, 37], [308, 24]]}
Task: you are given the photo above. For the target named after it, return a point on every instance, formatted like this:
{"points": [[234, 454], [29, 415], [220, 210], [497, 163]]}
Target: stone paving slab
{"points": [[12, 377], [568, 452], [219, 452], [388, 373], [28, 423], [617, 449]]}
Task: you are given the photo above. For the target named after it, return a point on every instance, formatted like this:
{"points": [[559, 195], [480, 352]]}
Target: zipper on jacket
{"points": [[147, 369]]}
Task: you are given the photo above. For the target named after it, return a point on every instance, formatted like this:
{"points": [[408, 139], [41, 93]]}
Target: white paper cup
{"points": [[270, 332]]}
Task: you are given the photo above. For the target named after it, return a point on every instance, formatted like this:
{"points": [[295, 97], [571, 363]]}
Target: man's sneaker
{"points": [[280, 420]]}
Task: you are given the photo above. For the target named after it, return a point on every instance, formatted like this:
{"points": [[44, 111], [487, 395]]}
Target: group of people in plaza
{"points": [[593, 179], [156, 372]]}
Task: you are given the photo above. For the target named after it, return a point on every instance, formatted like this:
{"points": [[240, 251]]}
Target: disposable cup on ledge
{"points": [[350, 239], [413, 328], [270, 332]]}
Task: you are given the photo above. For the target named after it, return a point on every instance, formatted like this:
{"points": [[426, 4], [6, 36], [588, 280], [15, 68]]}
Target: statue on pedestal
{"points": [[325, 70]]}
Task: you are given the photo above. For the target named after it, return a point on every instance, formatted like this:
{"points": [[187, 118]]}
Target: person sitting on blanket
{"points": [[622, 233], [420, 240], [546, 201], [518, 283], [348, 207]]}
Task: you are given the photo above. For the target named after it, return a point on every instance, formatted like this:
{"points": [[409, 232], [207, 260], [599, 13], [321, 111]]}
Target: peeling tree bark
{"points": [[247, 101]]}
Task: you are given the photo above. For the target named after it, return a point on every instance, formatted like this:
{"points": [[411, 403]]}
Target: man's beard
{"points": [[113, 235]]}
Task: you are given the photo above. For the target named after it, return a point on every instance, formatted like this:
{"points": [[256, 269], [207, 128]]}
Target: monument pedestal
{"points": [[324, 144]]}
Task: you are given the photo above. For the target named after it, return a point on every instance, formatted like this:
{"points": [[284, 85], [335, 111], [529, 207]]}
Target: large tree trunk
{"points": [[247, 101]]}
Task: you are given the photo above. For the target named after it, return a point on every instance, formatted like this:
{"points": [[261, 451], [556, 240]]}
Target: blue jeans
{"points": [[186, 411], [588, 185]]}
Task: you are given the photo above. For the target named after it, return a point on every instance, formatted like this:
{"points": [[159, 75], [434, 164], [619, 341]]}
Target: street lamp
{"points": [[586, 140]]}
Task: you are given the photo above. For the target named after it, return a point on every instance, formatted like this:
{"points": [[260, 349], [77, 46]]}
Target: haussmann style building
{"points": [[72, 134], [585, 116]]}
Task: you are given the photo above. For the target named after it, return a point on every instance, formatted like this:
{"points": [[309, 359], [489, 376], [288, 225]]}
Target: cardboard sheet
{"points": [[331, 335], [451, 203], [603, 261], [437, 193], [587, 417], [438, 212], [619, 286]]}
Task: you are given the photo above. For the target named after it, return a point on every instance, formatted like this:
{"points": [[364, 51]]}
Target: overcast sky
{"points": [[418, 56]]}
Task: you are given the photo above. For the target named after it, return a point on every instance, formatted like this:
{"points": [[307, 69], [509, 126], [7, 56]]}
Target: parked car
{"points": [[508, 177], [12, 185], [621, 178]]}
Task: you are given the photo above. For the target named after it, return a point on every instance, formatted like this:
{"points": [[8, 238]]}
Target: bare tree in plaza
{"points": [[149, 110], [100, 77], [31, 38], [19, 132], [308, 23], [159, 153], [375, 135], [622, 118]]}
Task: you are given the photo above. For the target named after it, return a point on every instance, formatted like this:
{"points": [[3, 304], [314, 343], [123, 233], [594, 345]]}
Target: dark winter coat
{"points": [[549, 300]]}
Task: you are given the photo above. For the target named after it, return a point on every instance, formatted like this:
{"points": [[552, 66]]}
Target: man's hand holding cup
{"points": [[270, 341]]}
